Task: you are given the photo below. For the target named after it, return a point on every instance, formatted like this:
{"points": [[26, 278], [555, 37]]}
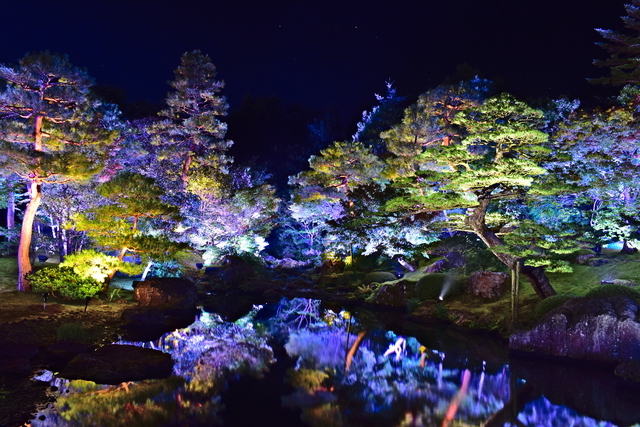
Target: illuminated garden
{"points": [[465, 258]]}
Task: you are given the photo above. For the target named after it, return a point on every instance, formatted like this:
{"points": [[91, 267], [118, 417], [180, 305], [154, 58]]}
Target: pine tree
{"points": [[51, 132], [498, 156], [624, 50], [191, 133]]}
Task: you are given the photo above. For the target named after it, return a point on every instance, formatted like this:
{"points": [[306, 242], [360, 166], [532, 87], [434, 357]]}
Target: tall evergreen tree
{"points": [[191, 133], [624, 50], [51, 131]]}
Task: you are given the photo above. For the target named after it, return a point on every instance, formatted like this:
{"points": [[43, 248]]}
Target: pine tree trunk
{"points": [[476, 221], [26, 232]]}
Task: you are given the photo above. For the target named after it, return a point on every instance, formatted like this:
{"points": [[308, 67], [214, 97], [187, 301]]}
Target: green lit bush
{"points": [[64, 282], [97, 265], [548, 304], [431, 286]]}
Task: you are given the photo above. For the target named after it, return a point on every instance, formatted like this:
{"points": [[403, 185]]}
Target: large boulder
{"points": [[594, 329], [165, 292], [488, 284], [114, 364]]}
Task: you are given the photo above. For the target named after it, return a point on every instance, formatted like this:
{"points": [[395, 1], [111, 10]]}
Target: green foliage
{"points": [[549, 303], [90, 263], [63, 281], [133, 218], [112, 406], [75, 332], [309, 379], [608, 291], [430, 286]]}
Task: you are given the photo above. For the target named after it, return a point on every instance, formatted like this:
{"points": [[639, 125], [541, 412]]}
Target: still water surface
{"points": [[298, 364]]}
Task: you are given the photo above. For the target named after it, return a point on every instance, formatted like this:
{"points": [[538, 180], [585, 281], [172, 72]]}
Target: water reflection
{"points": [[341, 374]]}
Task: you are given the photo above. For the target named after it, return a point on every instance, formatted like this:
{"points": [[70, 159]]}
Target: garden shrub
{"points": [[608, 291], [90, 263], [548, 304], [64, 282], [431, 285], [378, 277]]}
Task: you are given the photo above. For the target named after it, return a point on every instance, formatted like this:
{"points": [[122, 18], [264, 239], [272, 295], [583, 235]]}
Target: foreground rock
{"points": [[593, 329], [165, 292], [165, 304], [114, 364]]}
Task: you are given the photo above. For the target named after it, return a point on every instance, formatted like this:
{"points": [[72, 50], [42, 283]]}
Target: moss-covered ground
{"points": [[495, 314]]}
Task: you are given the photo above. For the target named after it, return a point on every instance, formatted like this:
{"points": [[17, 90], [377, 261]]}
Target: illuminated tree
{"points": [[191, 131], [233, 214], [132, 219], [499, 157], [605, 152], [51, 132], [624, 50], [428, 123]]}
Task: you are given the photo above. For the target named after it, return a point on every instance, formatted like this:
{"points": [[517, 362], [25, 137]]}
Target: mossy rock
{"points": [[378, 277], [430, 287], [608, 291], [548, 304]]}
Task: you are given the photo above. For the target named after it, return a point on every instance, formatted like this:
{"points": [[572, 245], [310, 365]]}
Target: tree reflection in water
{"points": [[339, 380]]}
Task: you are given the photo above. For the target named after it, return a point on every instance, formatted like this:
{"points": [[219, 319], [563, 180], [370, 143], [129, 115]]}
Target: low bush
{"points": [[64, 282], [608, 291], [548, 304]]}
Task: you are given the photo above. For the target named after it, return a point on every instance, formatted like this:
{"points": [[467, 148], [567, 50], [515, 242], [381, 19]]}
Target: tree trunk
{"points": [[26, 232], [11, 208], [476, 221]]}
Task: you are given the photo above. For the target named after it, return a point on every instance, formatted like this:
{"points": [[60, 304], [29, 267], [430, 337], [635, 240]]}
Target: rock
{"points": [[623, 282], [114, 364], [584, 258], [436, 267], [391, 296], [488, 284], [61, 352], [165, 292], [602, 330]]}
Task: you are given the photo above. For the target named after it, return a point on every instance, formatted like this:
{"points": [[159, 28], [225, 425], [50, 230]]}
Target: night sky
{"points": [[330, 53]]}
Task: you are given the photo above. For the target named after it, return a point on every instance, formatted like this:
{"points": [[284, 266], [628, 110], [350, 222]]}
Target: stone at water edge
{"points": [[593, 329], [169, 292]]}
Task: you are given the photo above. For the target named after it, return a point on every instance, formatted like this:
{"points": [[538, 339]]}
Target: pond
{"points": [[298, 363]]}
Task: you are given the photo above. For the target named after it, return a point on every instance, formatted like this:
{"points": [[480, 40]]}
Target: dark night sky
{"points": [[321, 53]]}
